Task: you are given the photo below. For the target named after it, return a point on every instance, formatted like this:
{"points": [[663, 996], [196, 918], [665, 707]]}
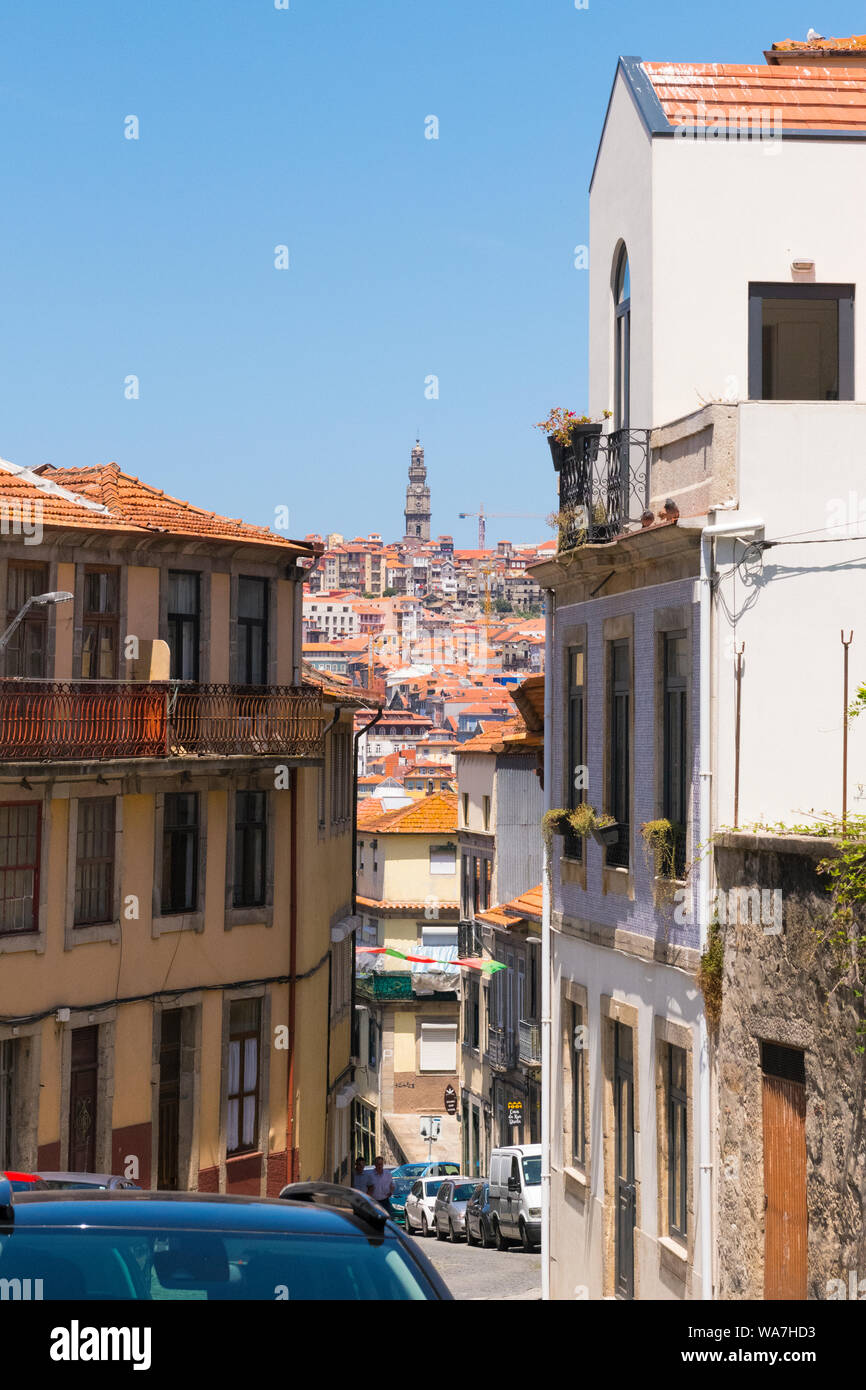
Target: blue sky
{"points": [[409, 257]]}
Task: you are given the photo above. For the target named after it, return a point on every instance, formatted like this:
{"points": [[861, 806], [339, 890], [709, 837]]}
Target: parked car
{"points": [[420, 1201], [407, 1174], [449, 1209], [478, 1228], [92, 1181], [317, 1241], [21, 1182], [515, 1195]]}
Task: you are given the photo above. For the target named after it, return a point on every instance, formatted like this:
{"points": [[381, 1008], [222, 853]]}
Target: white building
{"points": [[726, 302], [332, 614]]}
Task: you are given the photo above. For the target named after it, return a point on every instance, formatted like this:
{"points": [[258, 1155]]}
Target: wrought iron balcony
{"points": [[603, 483], [56, 721], [529, 1046], [500, 1049], [469, 939]]}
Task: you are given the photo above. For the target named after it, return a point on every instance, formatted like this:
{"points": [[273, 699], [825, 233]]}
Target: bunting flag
{"points": [[488, 966]]}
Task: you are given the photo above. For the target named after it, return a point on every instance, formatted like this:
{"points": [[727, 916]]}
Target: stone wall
{"points": [[777, 989]]}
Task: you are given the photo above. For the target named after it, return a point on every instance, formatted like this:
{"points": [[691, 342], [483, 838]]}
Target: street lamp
{"points": [[56, 596]]}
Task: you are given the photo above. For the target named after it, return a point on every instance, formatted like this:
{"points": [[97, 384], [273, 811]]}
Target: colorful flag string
{"points": [[489, 967]]}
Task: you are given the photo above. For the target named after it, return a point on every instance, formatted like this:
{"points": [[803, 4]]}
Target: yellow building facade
{"points": [[175, 848]]}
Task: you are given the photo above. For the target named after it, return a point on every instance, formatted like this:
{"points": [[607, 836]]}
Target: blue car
{"points": [[409, 1173], [315, 1241]]}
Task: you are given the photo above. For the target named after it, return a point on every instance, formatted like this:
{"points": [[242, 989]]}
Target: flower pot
{"points": [[606, 835], [583, 444]]}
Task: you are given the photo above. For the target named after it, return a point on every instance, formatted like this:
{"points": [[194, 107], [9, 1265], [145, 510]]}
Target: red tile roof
{"points": [[807, 98], [433, 814], [854, 43], [131, 504], [525, 908]]}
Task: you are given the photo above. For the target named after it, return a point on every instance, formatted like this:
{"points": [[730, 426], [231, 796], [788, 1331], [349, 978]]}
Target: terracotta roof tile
{"points": [[107, 498], [806, 98], [525, 908], [432, 814]]}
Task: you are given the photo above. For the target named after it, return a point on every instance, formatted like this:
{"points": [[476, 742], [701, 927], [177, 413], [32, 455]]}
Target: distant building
{"points": [[417, 498]]}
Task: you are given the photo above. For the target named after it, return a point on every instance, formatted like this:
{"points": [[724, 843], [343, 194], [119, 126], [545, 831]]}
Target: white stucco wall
{"points": [[701, 218], [799, 466], [576, 1225], [620, 209]]}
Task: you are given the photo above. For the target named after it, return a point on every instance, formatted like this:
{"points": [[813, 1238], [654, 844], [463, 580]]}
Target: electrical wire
{"points": [[11, 1020]]}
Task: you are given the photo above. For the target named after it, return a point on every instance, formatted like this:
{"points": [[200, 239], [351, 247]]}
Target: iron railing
{"points": [[469, 939], [226, 719], [604, 483], [55, 721], [529, 1043], [500, 1049]]}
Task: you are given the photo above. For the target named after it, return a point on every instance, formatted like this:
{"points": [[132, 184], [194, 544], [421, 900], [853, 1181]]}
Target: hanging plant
{"points": [[846, 935], [710, 974], [554, 822], [661, 838]]}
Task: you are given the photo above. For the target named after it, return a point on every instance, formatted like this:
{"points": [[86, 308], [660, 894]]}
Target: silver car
{"points": [[449, 1212], [88, 1181]]}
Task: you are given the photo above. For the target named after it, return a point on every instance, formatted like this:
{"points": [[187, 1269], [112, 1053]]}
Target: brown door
{"points": [[169, 1100], [82, 1099], [785, 1212]]}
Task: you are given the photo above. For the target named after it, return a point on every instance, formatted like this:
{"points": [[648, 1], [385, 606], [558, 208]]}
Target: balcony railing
{"points": [[469, 939], [603, 483], [529, 1045], [50, 721], [500, 1049]]}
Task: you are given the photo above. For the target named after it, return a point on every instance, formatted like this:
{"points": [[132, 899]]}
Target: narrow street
{"points": [[473, 1273]]}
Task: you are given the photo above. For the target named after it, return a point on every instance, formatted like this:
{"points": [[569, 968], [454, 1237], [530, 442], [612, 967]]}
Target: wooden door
{"points": [[785, 1210], [84, 1074]]}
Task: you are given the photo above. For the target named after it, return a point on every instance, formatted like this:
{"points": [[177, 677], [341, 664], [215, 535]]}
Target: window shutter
{"points": [[439, 1047]]}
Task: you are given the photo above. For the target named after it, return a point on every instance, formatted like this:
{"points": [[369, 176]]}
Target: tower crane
{"points": [[482, 520]]}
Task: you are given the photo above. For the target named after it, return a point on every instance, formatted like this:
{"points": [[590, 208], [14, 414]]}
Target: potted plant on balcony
{"points": [[567, 430]]}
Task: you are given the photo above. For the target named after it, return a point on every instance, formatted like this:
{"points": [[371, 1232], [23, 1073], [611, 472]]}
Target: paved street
{"points": [[472, 1273]]}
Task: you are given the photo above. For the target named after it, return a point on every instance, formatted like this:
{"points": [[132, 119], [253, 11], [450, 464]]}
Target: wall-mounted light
{"points": [[802, 269]]}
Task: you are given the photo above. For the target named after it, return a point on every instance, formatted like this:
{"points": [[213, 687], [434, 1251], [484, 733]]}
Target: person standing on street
{"points": [[381, 1184], [360, 1177]]}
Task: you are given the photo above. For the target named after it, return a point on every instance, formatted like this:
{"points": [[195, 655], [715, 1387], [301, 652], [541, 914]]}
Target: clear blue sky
{"points": [[408, 257]]}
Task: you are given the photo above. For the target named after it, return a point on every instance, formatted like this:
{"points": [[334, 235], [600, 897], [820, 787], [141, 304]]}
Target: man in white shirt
{"points": [[381, 1184]]}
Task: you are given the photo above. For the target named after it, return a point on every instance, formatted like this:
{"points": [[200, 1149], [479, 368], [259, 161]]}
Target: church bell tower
{"points": [[417, 498]]}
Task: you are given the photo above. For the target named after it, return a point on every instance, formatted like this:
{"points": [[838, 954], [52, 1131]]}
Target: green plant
{"points": [[845, 937], [858, 704], [560, 423], [554, 822], [661, 838], [710, 974]]}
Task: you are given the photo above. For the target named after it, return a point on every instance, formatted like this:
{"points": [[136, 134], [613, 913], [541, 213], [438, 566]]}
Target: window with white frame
{"points": [[443, 859], [439, 935]]}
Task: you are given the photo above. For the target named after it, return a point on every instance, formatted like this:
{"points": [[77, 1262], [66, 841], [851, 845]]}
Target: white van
{"points": [[515, 1195]]}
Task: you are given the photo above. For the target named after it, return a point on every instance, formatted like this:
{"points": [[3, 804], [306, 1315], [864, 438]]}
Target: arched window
{"points": [[622, 340]]}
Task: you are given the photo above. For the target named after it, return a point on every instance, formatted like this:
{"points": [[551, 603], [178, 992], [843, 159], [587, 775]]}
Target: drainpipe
{"points": [[704, 876], [292, 1176], [355, 742], [546, 1077]]}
